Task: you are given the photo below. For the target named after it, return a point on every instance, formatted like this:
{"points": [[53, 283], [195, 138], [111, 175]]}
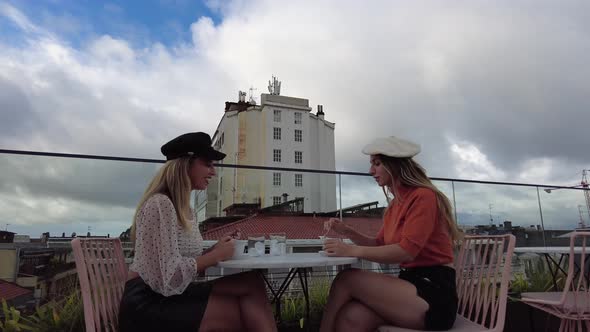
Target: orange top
{"points": [[413, 222]]}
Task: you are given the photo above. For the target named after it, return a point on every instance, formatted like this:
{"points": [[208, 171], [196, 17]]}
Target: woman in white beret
{"points": [[418, 233], [164, 291]]}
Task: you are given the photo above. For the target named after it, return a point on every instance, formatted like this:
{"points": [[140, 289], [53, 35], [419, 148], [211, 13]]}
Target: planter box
{"points": [[520, 316], [294, 327]]}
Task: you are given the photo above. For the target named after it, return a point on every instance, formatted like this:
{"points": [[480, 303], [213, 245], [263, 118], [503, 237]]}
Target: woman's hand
{"points": [[224, 248], [335, 247], [236, 234], [336, 225]]}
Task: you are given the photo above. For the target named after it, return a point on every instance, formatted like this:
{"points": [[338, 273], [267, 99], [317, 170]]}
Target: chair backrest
{"points": [[576, 290], [102, 273], [483, 271]]}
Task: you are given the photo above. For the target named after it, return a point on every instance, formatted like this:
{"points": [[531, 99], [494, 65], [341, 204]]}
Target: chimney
{"points": [[320, 112], [507, 224], [241, 97]]}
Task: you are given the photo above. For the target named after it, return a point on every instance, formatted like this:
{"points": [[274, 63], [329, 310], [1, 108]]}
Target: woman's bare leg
{"points": [[357, 317], [393, 299], [222, 314], [249, 289]]}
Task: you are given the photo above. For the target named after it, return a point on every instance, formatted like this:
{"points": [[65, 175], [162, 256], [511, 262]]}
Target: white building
{"points": [[280, 132]]}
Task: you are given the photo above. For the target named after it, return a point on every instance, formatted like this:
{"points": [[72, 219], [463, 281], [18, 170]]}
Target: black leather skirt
{"points": [[142, 309]]}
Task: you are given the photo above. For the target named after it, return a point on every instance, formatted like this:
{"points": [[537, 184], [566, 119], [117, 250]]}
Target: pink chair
{"points": [[102, 273], [572, 304], [483, 269]]}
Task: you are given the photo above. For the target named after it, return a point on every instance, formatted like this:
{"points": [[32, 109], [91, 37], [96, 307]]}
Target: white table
{"points": [[297, 265], [548, 250], [548, 253], [289, 261]]}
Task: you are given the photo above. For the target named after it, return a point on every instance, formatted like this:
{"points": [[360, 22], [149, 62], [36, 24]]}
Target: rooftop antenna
{"points": [[274, 86]]}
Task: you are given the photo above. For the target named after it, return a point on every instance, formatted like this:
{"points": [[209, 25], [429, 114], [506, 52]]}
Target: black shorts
{"points": [[436, 285], [142, 309]]}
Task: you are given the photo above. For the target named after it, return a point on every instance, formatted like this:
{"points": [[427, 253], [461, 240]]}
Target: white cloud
{"points": [[108, 49], [471, 163], [17, 17], [494, 90]]}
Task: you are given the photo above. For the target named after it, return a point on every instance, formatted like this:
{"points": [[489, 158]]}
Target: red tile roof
{"points": [[295, 227], [9, 291]]}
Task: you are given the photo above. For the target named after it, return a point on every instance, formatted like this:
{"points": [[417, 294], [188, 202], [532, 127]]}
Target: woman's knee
{"points": [[355, 316], [346, 277], [222, 314], [253, 280]]}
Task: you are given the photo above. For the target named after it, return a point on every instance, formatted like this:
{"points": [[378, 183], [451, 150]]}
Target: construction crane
{"points": [[586, 189], [581, 224], [584, 185]]}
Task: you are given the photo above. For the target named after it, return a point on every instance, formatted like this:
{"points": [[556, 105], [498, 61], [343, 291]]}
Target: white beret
{"points": [[392, 147]]}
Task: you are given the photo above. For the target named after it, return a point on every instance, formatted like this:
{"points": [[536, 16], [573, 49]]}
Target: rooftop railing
{"points": [[99, 193]]}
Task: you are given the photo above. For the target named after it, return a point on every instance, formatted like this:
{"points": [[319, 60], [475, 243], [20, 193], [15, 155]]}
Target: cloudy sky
{"points": [[492, 90]]}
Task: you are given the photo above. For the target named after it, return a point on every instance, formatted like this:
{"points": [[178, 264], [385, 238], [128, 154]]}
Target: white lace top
{"points": [[164, 252]]}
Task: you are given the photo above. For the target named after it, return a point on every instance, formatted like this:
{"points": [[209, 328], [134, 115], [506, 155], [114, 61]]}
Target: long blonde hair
{"points": [[409, 173], [173, 181]]}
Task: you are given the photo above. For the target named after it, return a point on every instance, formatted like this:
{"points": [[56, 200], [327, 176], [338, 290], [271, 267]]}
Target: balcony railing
{"points": [[99, 193]]}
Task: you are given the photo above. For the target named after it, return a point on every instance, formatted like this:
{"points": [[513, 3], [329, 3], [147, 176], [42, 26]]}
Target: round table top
{"points": [[287, 261], [549, 250]]}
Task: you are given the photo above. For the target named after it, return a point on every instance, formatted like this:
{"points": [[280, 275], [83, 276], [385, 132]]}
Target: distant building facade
{"points": [[280, 132], [533, 236]]}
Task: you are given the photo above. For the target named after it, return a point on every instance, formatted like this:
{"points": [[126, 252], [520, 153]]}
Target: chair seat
{"points": [[461, 324], [579, 302]]}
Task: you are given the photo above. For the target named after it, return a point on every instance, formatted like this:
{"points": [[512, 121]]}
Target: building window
{"points": [[219, 141], [276, 200], [297, 118], [298, 135], [276, 155], [276, 179], [276, 133], [298, 180], [298, 157], [277, 115]]}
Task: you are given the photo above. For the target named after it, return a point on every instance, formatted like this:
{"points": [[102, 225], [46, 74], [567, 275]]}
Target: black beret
{"points": [[191, 144]]}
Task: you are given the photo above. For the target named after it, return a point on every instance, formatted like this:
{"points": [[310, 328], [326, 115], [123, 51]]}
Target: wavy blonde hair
{"points": [[408, 172], [173, 181]]}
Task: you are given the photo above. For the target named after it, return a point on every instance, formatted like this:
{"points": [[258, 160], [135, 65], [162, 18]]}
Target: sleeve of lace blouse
{"points": [[157, 257]]}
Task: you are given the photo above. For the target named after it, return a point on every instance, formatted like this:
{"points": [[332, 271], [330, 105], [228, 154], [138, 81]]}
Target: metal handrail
{"points": [[271, 168]]}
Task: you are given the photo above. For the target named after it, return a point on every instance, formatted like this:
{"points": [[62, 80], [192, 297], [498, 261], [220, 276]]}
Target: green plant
{"points": [[540, 278], [293, 307], [518, 285], [318, 296], [12, 320], [64, 315]]}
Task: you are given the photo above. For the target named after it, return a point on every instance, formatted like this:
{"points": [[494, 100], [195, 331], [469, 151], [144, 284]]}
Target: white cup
{"points": [[240, 248], [274, 248]]}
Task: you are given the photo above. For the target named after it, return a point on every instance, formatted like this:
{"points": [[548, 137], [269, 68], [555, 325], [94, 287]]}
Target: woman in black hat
{"points": [[164, 291], [418, 233]]}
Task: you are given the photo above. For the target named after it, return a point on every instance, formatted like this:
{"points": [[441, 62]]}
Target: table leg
{"points": [[279, 293], [305, 289], [550, 261]]}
